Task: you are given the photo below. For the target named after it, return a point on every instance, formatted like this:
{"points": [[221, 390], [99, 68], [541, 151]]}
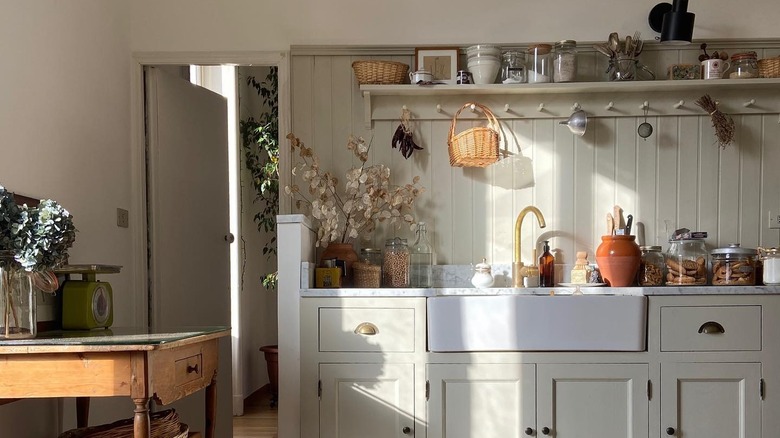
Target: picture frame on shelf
{"points": [[442, 62]]}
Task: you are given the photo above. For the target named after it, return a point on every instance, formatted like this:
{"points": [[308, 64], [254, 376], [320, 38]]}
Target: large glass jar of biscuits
{"points": [[686, 263], [734, 266]]}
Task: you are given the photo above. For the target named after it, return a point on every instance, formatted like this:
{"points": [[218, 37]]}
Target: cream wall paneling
{"points": [[678, 177], [554, 100]]}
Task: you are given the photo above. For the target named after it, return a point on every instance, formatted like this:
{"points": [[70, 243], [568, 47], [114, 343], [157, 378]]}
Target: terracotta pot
{"points": [[618, 258], [272, 361], [344, 254]]}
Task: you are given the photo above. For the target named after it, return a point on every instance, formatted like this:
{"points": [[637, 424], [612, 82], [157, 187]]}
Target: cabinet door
{"points": [[710, 400], [367, 400], [592, 400], [481, 400]]}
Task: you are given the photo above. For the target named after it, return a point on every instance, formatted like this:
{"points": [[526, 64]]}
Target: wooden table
{"points": [[164, 366]]}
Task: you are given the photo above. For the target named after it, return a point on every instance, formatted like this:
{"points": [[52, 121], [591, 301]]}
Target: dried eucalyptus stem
{"points": [[723, 123]]}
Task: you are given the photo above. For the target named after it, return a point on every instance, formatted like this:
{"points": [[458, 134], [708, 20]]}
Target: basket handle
{"points": [[492, 121]]}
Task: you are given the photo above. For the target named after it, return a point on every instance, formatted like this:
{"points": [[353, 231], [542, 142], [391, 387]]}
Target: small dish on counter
{"points": [[582, 284]]}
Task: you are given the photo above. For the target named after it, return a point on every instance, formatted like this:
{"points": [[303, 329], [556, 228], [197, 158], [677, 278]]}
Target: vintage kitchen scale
{"points": [[87, 303]]}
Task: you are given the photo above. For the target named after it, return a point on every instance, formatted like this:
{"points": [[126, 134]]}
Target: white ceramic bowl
{"points": [[485, 49], [484, 72]]}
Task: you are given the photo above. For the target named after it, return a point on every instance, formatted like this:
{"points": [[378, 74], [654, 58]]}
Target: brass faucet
{"points": [[517, 264]]}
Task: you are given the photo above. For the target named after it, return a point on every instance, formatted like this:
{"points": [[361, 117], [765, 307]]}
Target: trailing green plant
{"points": [[260, 140]]}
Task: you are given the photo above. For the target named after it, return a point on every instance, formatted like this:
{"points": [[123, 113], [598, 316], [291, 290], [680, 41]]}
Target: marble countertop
{"points": [[446, 291]]}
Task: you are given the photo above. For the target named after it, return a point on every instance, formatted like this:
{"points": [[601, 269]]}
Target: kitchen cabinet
{"points": [[514, 400], [359, 363], [711, 400], [362, 400]]}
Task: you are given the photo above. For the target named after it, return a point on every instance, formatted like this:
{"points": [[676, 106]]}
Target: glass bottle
{"points": [[513, 68], [565, 61], [651, 267], [771, 272], [539, 63], [421, 259], [546, 267], [395, 264]]}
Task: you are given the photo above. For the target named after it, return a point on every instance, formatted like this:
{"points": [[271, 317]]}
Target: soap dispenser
{"points": [[546, 267]]}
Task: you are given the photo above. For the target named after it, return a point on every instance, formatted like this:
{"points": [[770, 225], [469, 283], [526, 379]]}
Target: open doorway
{"points": [[247, 362]]}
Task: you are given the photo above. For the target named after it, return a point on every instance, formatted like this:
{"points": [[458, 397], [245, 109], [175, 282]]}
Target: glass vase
{"points": [[17, 304]]}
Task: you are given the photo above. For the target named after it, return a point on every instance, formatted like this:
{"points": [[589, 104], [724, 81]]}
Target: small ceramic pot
{"points": [[483, 276], [618, 258]]}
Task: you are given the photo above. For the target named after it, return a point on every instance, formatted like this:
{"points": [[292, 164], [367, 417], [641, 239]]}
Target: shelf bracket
{"points": [[367, 110]]}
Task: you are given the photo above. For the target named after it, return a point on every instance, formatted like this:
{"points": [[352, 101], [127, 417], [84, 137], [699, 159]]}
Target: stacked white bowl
{"points": [[484, 62]]}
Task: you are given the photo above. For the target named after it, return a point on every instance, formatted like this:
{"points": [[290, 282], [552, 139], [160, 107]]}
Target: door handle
{"points": [[230, 238]]}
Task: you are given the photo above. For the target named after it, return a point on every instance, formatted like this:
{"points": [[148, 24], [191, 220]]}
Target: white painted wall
{"points": [[271, 25], [65, 124]]}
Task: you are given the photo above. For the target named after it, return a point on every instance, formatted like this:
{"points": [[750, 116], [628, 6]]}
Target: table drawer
{"points": [[188, 369], [365, 329], [711, 328]]}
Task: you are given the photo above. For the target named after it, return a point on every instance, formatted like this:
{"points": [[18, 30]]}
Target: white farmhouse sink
{"points": [[537, 323]]}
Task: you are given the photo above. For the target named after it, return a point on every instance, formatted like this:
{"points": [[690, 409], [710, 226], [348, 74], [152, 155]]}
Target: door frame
{"points": [[138, 199]]}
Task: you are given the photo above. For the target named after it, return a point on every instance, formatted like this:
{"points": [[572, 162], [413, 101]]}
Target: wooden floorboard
{"points": [[259, 419]]}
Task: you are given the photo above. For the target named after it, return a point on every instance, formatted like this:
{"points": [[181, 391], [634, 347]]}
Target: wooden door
{"points": [[711, 400], [592, 400], [481, 400], [367, 400]]}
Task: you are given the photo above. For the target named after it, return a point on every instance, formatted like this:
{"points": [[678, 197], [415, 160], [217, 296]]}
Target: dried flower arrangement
{"points": [[723, 123], [367, 197]]}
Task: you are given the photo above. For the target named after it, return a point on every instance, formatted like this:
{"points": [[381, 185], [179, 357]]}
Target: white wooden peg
{"points": [[679, 104], [404, 108], [749, 103], [438, 108], [541, 107], [473, 108], [506, 108], [644, 105], [609, 106], [576, 106]]}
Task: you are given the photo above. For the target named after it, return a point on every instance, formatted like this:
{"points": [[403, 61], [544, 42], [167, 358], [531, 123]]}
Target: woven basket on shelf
{"points": [[769, 68], [474, 147], [380, 72], [163, 424], [366, 275]]}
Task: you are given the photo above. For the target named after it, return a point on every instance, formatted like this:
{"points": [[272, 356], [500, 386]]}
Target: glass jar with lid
{"points": [[651, 267], [771, 259], [539, 63], [395, 264], [686, 262], [513, 68], [734, 265], [744, 66], [565, 61]]}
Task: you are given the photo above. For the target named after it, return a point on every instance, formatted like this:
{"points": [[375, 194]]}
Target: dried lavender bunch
{"points": [[723, 123]]}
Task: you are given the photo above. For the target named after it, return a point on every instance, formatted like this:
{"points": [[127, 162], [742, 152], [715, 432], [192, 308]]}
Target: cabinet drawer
{"points": [[361, 329], [188, 369], [711, 328]]}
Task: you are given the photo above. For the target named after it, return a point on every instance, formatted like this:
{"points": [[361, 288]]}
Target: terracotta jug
{"points": [[618, 258], [342, 252]]}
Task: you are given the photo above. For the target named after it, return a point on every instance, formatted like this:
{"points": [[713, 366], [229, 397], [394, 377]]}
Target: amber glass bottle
{"points": [[546, 267]]}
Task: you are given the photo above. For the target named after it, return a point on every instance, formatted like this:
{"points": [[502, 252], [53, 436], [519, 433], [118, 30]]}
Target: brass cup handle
{"points": [[367, 329], [711, 328]]}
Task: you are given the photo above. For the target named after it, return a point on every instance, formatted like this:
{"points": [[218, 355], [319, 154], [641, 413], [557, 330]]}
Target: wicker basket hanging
{"points": [[474, 147]]}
